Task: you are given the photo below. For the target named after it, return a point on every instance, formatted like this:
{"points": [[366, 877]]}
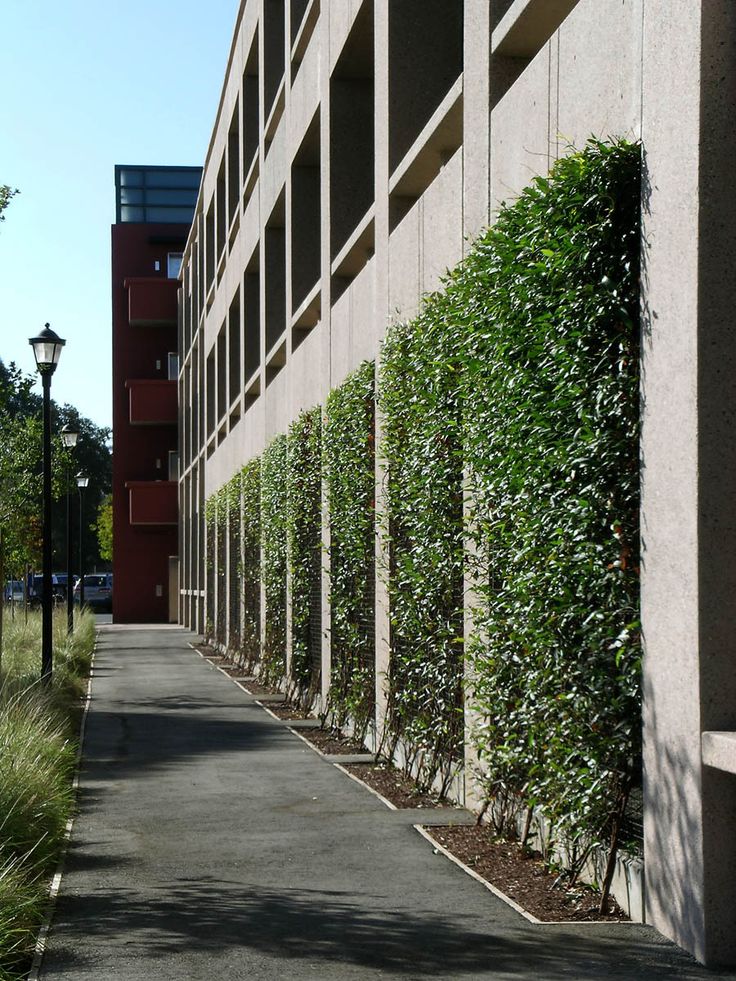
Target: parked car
{"points": [[13, 591], [97, 591], [58, 588]]}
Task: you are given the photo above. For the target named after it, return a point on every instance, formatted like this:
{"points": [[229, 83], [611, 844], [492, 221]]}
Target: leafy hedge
{"points": [[304, 532], [419, 399], [547, 303], [274, 482], [250, 563], [232, 493], [349, 475]]}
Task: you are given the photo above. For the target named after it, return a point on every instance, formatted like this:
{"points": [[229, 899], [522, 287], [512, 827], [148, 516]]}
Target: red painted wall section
{"points": [[153, 502], [152, 402], [151, 302], [140, 452]]}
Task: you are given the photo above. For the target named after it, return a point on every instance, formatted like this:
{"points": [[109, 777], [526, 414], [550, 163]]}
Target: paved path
{"points": [[213, 844]]}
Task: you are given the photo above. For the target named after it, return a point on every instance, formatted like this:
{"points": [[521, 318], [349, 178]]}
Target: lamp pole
{"points": [[82, 481], [69, 438], [46, 350]]}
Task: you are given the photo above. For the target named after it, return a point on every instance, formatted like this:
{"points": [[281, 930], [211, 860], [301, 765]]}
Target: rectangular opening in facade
{"points": [[221, 198], [275, 269], [197, 392], [252, 316], [423, 66], [352, 138], [273, 51], [209, 237], [211, 394], [305, 217], [233, 349], [298, 9], [222, 371], [251, 113], [233, 165]]}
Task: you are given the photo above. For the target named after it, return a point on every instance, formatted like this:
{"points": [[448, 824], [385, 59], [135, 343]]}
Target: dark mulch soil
{"points": [[286, 711], [257, 688], [523, 876], [332, 743], [395, 786]]}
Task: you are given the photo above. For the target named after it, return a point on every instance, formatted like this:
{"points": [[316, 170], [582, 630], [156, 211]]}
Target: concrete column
{"points": [[689, 469], [383, 631], [476, 106]]}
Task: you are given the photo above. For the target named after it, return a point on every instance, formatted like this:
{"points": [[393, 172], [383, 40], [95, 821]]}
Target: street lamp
{"points": [[69, 438], [46, 350], [82, 481]]}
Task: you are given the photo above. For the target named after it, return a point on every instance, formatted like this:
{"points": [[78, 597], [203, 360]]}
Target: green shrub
{"points": [[250, 568], [304, 533], [274, 481], [349, 474], [419, 399], [547, 307]]}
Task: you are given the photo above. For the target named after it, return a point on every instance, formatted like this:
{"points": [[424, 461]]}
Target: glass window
{"points": [[131, 214], [173, 264]]}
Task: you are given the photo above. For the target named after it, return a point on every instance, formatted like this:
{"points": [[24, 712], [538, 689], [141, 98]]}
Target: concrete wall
{"points": [[536, 78]]}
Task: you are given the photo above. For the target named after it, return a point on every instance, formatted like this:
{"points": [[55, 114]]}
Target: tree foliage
{"points": [[103, 527]]}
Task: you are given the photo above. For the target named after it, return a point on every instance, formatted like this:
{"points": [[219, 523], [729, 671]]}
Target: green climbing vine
{"points": [[274, 482], [304, 529], [419, 400], [349, 475], [250, 563], [548, 304]]}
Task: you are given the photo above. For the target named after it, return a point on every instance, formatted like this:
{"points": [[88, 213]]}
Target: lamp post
{"points": [[82, 481], [69, 438], [46, 350]]}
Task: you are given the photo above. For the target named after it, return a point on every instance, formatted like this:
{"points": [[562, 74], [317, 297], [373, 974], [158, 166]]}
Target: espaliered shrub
{"points": [[210, 530], [274, 481], [304, 531], [232, 494], [419, 399], [250, 559], [349, 474], [546, 311], [216, 518]]}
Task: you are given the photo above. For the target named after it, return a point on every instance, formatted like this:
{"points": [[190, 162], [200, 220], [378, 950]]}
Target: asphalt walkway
{"points": [[212, 843]]}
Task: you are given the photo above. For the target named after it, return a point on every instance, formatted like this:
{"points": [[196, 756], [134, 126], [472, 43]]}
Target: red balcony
{"points": [[153, 402], [152, 301], [153, 502]]}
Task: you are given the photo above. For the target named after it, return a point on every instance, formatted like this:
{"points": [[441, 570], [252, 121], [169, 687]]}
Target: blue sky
{"points": [[87, 84]]}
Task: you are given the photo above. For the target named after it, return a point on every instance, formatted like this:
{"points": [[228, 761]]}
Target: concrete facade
{"points": [[358, 146]]}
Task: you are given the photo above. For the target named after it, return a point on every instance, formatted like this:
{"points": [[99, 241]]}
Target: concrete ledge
{"points": [[349, 757], [528, 25], [719, 750]]}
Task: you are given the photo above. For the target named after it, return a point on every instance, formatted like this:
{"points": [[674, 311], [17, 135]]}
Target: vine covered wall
{"points": [[349, 474], [304, 532], [250, 568], [509, 422], [548, 306], [419, 401], [274, 483]]}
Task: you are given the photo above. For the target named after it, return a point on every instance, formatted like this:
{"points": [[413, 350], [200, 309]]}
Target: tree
{"points": [[104, 528], [6, 193]]}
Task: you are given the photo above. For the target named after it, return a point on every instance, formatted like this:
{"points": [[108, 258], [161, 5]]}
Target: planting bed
{"points": [[332, 743], [394, 785], [523, 876]]}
